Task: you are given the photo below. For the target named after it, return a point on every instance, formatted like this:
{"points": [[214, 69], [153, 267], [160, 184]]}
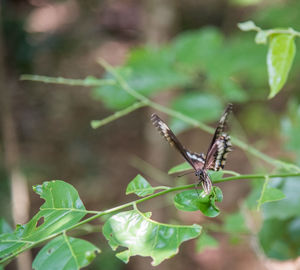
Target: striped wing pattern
{"points": [[218, 150], [196, 160]]}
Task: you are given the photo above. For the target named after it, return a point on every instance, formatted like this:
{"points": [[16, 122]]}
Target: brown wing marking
{"points": [[213, 148], [216, 158], [221, 125], [196, 160]]}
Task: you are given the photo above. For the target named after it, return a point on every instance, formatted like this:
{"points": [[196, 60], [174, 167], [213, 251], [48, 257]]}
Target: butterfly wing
{"points": [[216, 158], [220, 145], [221, 125], [194, 159]]}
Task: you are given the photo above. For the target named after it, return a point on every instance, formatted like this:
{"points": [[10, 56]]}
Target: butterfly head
{"points": [[201, 174]]}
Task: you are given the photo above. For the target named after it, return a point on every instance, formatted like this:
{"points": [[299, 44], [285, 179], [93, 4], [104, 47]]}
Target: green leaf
{"points": [[279, 60], [65, 253], [272, 194], [235, 223], [145, 237], [191, 200], [180, 168], [247, 26], [269, 194], [139, 186], [205, 241], [62, 209], [4, 226], [287, 207]]}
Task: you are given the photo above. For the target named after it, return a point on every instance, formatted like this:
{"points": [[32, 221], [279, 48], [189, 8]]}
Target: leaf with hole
{"points": [[145, 237], [62, 209]]}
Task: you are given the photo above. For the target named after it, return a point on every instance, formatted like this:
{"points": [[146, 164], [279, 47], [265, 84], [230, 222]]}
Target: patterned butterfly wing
{"points": [[218, 153], [221, 125], [220, 145], [194, 159]]}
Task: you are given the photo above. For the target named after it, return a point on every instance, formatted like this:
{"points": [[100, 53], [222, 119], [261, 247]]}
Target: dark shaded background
{"points": [[46, 131]]}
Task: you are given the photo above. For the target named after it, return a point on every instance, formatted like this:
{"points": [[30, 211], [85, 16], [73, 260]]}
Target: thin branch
{"points": [[89, 81], [99, 123], [131, 204]]}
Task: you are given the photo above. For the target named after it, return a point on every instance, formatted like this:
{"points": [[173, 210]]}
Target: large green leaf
{"points": [[140, 186], [191, 200], [62, 209], [279, 60], [65, 253], [145, 237]]}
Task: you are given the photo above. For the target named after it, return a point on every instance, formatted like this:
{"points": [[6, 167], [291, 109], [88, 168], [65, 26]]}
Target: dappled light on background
{"points": [[52, 17]]}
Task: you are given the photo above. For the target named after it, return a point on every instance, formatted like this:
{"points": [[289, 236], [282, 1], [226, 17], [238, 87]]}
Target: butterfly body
{"points": [[217, 152]]}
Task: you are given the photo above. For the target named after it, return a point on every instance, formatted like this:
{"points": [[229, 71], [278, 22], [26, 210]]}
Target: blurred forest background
{"points": [[46, 132]]}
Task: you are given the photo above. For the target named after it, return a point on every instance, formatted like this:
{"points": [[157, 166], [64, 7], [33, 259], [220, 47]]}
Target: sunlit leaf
{"points": [[62, 209], [191, 200], [140, 186], [65, 253], [145, 237], [279, 60], [205, 241]]}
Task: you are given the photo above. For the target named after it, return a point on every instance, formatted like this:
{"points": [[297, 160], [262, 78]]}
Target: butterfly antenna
{"points": [[184, 174]]}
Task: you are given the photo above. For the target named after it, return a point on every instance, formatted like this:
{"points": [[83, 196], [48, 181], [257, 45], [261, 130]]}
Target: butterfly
{"points": [[215, 157]]}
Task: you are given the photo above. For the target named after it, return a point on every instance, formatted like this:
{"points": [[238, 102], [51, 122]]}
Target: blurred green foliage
{"points": [[208, 68]]}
